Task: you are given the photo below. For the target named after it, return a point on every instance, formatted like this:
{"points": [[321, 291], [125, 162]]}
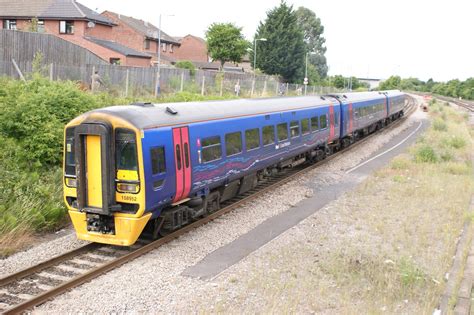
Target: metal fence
{"points": [[138, 81]]}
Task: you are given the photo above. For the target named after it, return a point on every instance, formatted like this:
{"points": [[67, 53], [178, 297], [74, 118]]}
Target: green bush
{"points": [[425, 154], [185, 64], [34, 113], [456, 142], [439, 125]]}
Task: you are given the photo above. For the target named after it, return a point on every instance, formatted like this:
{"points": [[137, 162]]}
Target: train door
{"points": [[387, 105], [182, 160], [331, 122], [93, 171], [94, 181]]}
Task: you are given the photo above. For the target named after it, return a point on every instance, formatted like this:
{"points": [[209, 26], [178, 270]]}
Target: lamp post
{"points": [[305, 82], [158, 78], [255, 52]]}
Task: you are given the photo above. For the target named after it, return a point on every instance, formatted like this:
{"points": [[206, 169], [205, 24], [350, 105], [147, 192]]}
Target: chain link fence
{"points": [[139, 82]]}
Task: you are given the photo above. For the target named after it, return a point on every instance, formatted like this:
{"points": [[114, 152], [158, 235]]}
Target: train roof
{"points": [[147, 115], [358, 96]]}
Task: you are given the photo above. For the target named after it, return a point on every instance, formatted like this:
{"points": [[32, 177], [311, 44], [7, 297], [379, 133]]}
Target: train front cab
{"points": [[104, 179]]}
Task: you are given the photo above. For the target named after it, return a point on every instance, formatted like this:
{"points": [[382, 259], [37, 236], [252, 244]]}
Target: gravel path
{"points": [[153, 282]]}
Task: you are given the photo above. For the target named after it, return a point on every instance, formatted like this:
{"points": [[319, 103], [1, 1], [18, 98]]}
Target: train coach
{"points": [[152, 168]]}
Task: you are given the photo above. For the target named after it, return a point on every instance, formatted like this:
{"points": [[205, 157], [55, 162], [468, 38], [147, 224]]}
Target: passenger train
{"points": [[152, 168]]}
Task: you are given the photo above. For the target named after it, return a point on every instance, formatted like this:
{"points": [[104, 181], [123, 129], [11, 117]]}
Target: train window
{"points": [[282, 131], [233, 143], [268, 135], [323, 121], [158, 160], [294, 128], [336, 119], [314, 123], [125, 150], [305, 126], [178, 157], [70, 165], [252, 138], [211, 149], [186, 154]]}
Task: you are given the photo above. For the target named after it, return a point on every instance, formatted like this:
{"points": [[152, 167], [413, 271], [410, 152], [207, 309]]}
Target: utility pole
{"points": [[158, 86]]}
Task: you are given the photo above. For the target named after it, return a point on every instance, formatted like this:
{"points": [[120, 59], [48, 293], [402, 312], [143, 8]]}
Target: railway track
{"points": [[30, 287], [469, 105], [466, 104]]}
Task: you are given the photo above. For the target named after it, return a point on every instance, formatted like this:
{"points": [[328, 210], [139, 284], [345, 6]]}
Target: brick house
{"points": [[73, 22], [192, 48], [142, 36]]}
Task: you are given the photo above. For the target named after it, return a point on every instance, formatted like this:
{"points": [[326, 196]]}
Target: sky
{"points": [[365, 38]]}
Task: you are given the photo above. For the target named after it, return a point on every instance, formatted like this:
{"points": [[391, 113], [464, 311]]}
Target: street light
{"points": [[255, 52], [305, 82], [157, 89]]}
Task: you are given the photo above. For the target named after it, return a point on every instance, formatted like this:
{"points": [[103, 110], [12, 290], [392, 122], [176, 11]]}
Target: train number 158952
{"points": [[128, 198]]}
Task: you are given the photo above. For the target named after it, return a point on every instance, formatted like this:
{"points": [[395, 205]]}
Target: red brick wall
{"points": [[137, 62], [99, 31], [192, 49], [127, 36], [124, 34]]}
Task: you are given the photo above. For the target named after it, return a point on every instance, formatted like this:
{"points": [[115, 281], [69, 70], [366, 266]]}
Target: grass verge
{"points": [[386, 247]]}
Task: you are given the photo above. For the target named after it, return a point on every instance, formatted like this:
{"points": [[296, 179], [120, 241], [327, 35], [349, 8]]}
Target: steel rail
{"points": [[94, 273]]}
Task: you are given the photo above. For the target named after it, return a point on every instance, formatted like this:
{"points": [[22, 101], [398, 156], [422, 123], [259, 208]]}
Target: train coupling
{"points": [[100, 223]]}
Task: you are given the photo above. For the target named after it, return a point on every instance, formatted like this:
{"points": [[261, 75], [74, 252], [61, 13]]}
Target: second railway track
{"points": [[30, 287]]}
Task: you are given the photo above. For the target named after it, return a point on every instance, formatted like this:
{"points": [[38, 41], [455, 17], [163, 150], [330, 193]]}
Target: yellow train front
{"points": [[102, 172]]}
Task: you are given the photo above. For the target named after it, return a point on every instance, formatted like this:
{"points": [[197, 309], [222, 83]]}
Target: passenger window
{"points": [[233, 143], [336, 119], [186, 154], [294, 128], [268, 135], [305, 126], [158, 160], [323, 121], [314, 123], [252, 139], [211, 149], [282, 131], [178, 157]]}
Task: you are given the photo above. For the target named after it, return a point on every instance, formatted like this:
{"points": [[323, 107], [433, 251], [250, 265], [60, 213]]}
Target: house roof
{"points": [[180, 38], [50, 9], [207, 65], [124, 50], [145, 28]]}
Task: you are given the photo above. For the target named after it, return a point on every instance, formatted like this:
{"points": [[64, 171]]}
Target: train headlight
{"points": [[71, 182], [127, 188]]}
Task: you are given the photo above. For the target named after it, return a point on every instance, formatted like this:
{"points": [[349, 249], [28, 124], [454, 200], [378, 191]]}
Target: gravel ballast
{"points": [[152, 283]]}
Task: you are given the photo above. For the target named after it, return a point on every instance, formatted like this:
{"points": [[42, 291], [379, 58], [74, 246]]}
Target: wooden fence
{"points": [[62, 60], [22, 47]]}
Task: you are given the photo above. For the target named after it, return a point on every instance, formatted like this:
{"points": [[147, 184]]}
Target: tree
{"points": [[284, 51], [391, 83], [33, 26], [225, 42], [312, 32], [339, 81]]}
